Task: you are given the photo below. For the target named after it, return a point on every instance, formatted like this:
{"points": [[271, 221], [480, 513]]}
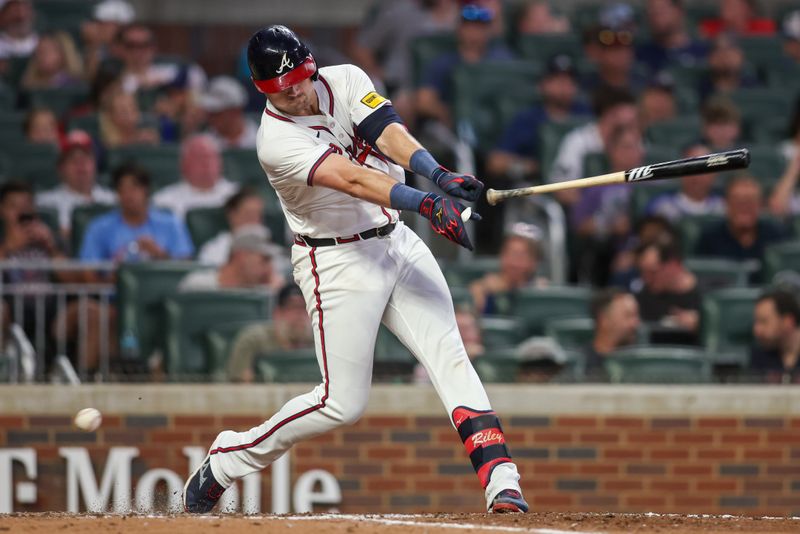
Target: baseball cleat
{"points": [[509, 502], [202, 491]]}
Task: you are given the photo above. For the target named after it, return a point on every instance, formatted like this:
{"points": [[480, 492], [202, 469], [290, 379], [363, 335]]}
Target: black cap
{"points": [[288, 291], [560, 64]]}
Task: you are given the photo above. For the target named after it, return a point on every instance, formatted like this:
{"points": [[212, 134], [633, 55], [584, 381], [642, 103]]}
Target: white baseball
{"points": [[466, 214], [88, 419]]}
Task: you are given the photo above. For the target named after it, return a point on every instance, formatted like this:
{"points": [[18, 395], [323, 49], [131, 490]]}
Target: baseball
{"points": [[88, 419]]}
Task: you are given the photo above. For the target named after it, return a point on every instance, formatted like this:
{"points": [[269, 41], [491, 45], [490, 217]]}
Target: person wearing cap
{"points": [[541, 359], [611, 50], [18, 36], [77, 173], [657, 101], [249, 265], [516, 155], [225, 101], [670, 44], [202, 184], [287, 330], [616, 323], [435, 94], [98, 33], [134, 231], [791, 36]]}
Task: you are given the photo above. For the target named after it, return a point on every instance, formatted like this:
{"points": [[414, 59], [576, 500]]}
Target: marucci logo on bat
{"points": [[640, 173], [714, 161]]}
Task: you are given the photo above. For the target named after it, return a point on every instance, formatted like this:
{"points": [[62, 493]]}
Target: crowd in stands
{"points": [[114, 152]]}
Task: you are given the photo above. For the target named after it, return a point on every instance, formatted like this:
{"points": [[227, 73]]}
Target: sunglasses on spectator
{"points": [[612, 38]]}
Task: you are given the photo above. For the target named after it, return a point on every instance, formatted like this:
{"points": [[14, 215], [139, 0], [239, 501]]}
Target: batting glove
{"points": [[445, 216], [463, 186]]}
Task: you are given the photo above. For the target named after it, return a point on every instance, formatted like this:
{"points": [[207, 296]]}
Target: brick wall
{"points": [[395, 463]]}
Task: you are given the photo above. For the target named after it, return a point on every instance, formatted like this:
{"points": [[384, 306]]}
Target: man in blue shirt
{"points": [[135, 231], [670, 44], [516, 155]]}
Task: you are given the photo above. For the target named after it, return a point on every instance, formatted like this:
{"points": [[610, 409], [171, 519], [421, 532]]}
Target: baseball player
{"points": [[334, 150]]}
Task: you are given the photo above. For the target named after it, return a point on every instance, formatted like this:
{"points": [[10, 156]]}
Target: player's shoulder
{"points": [[342, 74]]}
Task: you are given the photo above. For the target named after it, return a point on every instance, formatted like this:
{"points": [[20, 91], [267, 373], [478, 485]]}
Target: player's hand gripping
{"points": [[463, 186], [445, 216]]}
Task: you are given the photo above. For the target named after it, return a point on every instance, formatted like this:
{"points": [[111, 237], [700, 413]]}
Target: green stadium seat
{"points": [[771, 130], [190, 315], [498, 366], [727, 318], [763, 51], [15, 70], [595, 164], [658, 365], [289, 366], [674, 134], [389, 349], [766, 165], [60, 100], [551, 135], [8, 97], [88, 123], [81, 218], [12, 125], [218, 343], [541, 47], [501, 332], [162, 162], [36, 164], [242, 165], [204, 224], [784, 76], [461, 274], [141, 290], [691, 228], [573, 333], [461, 297], [781, 257], [719, 273], [759, 103], [643, 194], [427, 48], [536, 306]]}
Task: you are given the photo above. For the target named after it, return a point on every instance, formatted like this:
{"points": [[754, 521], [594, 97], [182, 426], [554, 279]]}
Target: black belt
{"points": [[383, 231]]}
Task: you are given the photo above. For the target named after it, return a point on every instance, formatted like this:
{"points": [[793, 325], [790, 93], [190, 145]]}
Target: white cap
{"points": [[224, 92], [791, 25], [118, 11]]}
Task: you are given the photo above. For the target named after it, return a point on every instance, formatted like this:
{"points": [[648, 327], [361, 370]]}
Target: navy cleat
{"points": [[202, 491], [509, 502]]}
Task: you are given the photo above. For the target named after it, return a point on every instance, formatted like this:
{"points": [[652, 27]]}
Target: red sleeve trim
{"points": [[313, 170]]}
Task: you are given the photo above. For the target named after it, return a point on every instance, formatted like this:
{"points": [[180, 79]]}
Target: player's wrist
{"points": [[403, 197], [423, 163]]}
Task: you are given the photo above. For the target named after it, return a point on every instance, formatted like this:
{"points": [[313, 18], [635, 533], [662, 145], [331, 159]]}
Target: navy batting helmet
{"points": [[278, 59]]}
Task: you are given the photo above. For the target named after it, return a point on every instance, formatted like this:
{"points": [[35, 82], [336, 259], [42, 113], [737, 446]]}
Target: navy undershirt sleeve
{"points": [[373, 125]]}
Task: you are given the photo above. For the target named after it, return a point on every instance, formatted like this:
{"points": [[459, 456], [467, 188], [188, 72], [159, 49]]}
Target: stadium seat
{"points": [[643, 194], [536, 306], [762, 51], [541, 47], [88, 123], [758, 103], [727, 318], [218, 343], [162, 162], [289, 366], [674, 134], [691, 228], [500, 332], [781, 257], [389, 348], [15, 69], [766, 165], [658, 365], [595, 164], [572, 334], [60, 100], [461, 274], [427, 48], [81, 218], [8, 97], [35, 164], [719, 273], [12, 126], [498, 366], [242, 165], [461, 297], [190, 315], [204, 224], [141, 290]]}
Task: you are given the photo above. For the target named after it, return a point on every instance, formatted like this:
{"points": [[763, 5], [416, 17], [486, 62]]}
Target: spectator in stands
{"points": [[611, 51], [225, 102], [791, 36], [98, 33], [616, 322], [41, 127], [249, 265], [243, 208], [649, 229], [120, 122], [600, 218], [541, 360], [657, 101], [790, 146], [77, 173], [383, 44], [138, 45], [738, 17], [516, 155], [776, 329], [669, 297], [55, 64], [289, 329], [178, 113], [670, 43], [612, 108], [726, 71], [18, 37], [721, 124], [696, 196], [742, 236], [435, 95], [519, 260], [202, 184], [469, 329], [135, 231], [537, 17], [785, 197]]}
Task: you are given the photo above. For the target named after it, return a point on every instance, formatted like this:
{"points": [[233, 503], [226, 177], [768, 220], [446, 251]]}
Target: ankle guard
{"points": [[483, 439]]}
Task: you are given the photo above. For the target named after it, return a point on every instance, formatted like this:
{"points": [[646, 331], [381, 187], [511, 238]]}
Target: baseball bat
{"points": [[723, 161]]}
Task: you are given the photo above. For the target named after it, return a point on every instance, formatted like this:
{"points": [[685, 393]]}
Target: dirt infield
{"points": [[544, 523]]}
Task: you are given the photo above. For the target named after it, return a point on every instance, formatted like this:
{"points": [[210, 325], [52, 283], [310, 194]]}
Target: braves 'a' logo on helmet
{"points": [[284, 63]]}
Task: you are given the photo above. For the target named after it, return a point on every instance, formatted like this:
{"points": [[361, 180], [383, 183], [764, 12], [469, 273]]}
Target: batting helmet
{"points": [[278, 59]]}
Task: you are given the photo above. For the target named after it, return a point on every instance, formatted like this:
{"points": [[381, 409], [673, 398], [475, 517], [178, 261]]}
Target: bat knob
{"points": [[466, 214], [491, 197]]}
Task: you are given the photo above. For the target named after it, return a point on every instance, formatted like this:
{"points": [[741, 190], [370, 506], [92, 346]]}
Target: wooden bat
{"points": [[723, 161]]}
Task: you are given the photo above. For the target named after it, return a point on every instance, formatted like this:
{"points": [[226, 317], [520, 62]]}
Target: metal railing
{"points": [[63, 324]]}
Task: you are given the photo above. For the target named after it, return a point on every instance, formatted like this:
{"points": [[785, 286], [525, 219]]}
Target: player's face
{"points": [[299, 99]]}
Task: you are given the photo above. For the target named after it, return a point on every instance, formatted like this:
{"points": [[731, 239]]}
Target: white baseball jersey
{"points": [[292, 148]]}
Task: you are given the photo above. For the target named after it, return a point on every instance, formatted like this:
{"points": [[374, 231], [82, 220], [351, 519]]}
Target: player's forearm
{"points": [[397, 143]]}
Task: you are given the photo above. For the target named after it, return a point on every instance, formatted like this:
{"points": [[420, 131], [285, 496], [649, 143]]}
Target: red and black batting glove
{"points": [[445, 216], [463, 186]]}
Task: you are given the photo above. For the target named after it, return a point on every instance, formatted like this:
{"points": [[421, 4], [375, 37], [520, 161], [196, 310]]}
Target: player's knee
{"points": [[347, 413]]}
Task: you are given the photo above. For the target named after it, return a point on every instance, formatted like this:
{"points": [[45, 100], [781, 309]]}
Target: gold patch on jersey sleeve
{"points": [[372, 100]]}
